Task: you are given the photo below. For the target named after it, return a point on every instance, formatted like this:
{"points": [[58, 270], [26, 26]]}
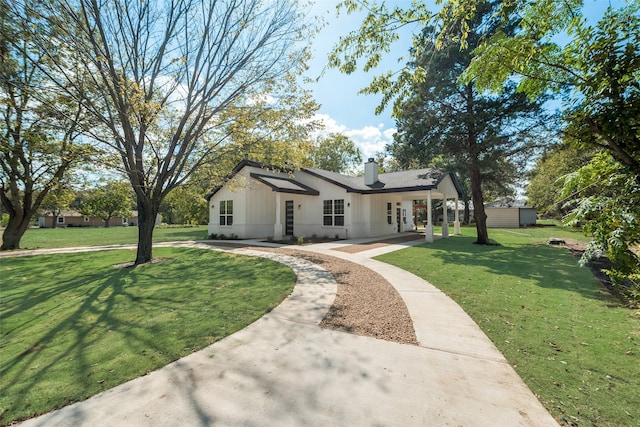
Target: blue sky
{"points": [[342, 108]]}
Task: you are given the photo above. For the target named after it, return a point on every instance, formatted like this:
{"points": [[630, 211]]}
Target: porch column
{"points": [[428, 228], [445, 218], [277, 227], [456, 222]]}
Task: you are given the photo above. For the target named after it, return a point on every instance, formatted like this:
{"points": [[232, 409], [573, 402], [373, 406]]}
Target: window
{"points": [[389, 218], [327, 211], [333, 212], [338, 210], [86, 218], [226, 212], [60, 220]]}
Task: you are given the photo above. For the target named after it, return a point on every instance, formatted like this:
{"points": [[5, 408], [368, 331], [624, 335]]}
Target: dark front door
{"points": [[288, 226], [399, 219]]}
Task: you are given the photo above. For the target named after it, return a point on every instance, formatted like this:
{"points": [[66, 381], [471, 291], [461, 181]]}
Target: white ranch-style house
{"points": [[264, 201]]}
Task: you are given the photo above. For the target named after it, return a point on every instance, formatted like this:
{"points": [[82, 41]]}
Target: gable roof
{"points": [[241, 166], [284, 185], [392, 182]]}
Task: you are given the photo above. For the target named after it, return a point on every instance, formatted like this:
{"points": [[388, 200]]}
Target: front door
{"points": [[399, 219], [288, 225]]}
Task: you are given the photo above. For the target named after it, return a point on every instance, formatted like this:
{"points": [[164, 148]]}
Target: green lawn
{"points": [[576, 347], [36, 238], [75, 324]]}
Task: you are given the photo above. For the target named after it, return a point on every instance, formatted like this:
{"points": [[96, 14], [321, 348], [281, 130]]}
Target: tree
{"points": [[40, 128], [437, 115], [546, 178], [607, 199], [596, 70], [112, 200], [277, 131], [186, 205], [335, 152], [58, 200], [163, 72]]}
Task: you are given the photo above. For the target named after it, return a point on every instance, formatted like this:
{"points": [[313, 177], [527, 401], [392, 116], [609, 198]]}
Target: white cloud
{"points": [[370, 139]]}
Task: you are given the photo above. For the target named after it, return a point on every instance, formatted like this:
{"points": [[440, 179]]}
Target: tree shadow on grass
{"points": [[62, 351], [105, 326]]}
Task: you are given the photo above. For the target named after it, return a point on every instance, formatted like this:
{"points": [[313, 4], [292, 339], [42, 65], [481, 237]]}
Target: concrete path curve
{"points": [[284, 370]]}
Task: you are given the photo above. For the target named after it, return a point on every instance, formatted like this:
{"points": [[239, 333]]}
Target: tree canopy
{"points": [[335, 152], [547, 178], [439, 116], [108, 201], [161, 75], [596, 69], [40, 130]]}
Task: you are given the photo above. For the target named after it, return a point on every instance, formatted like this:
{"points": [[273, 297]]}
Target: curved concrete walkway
{"points": [[284, 370]]}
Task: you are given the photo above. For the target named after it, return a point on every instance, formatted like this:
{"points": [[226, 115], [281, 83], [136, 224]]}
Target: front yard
{"points": [[576, 346], [77, 324]]}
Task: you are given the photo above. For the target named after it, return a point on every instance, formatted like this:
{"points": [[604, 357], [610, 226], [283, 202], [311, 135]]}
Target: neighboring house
{"points": [[264, 201], [509, 214], [76, 219]]}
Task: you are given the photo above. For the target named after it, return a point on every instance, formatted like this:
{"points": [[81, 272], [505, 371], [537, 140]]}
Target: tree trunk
{"points": [[55, 221], [467, 214], [478, 207], [147, 213], [13, 232], [106, 223], [475, 176]]}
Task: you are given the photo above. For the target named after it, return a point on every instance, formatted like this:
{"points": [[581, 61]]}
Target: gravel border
{"points": [[366, 304]]}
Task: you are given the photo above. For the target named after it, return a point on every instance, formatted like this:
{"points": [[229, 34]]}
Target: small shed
{"points": [[510, 217]]}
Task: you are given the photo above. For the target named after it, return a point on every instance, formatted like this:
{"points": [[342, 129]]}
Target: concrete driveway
{"points": [[284, 370]]}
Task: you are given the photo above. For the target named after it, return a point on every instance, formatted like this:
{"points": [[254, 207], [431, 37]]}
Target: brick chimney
{"points": [[370, 172]]}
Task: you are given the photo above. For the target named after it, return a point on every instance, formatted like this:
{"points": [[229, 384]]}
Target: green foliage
{"points": [[607, 196], [161, 81], [40, 129], [58, 199], [111, 200], [486, 138], [273, 126], [336, 152], [186, 205], [596, 70], [574, 345], [75, 325], [546, 183]]}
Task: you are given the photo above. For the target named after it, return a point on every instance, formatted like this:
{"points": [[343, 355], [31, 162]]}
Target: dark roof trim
{"points": [[241, 166], [264, 180], [332, 181], [393, 190], [378, 187]]}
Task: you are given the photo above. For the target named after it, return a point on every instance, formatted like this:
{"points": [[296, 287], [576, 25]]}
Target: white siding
{"points": [[502, 217], [365, 215], [310, 221], [447, 187], [257, 220]]}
